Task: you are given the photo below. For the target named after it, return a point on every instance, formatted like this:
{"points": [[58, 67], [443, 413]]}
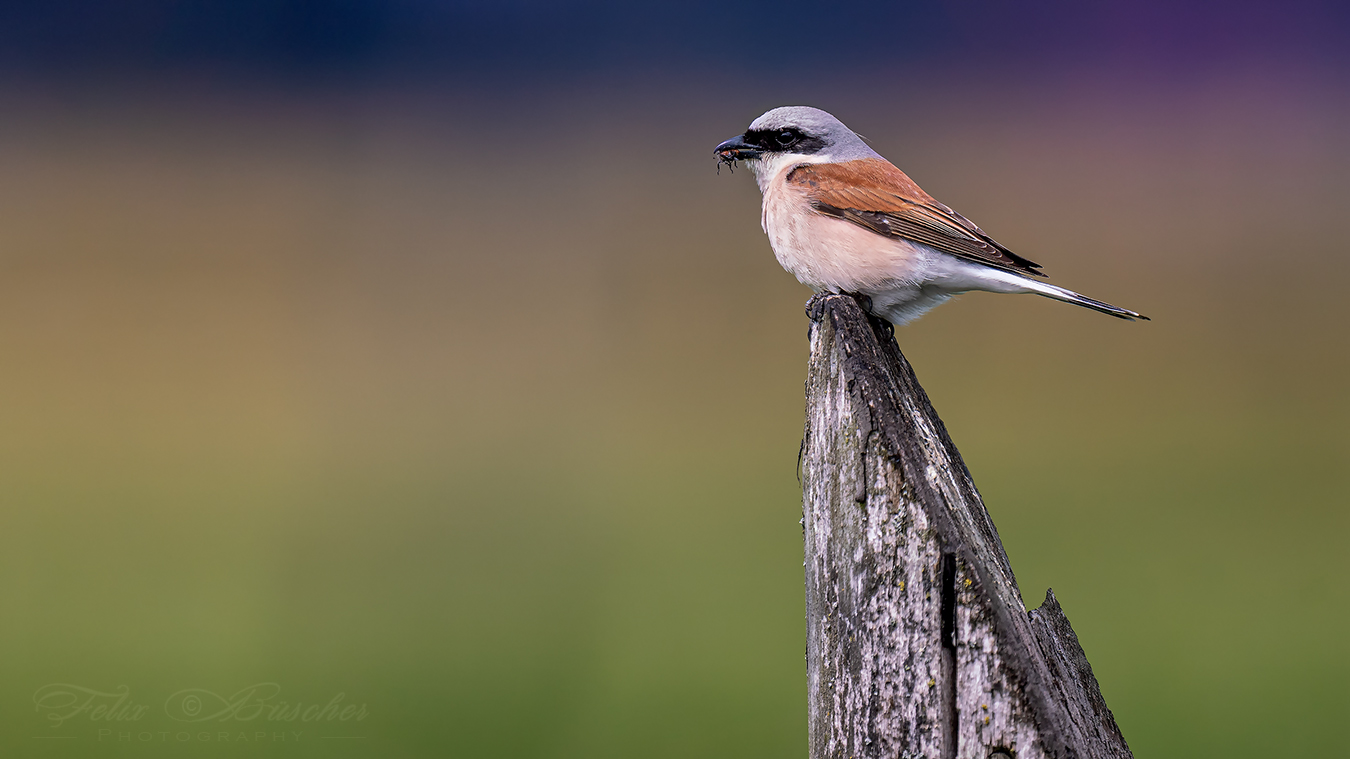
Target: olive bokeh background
{"points": [[418, 353]]}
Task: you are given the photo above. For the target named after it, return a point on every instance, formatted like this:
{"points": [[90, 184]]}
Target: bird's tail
{"points": [[1069, 296]]}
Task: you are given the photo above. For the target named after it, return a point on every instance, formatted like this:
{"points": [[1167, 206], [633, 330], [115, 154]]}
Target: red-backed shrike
{"points": [[843, 219]]}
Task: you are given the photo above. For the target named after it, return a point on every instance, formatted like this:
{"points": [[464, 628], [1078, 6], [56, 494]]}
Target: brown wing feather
{"points": [[875, 194]]}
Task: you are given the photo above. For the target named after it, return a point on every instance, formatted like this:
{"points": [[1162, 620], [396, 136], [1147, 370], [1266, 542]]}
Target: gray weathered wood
{"points": [[918, 644]]}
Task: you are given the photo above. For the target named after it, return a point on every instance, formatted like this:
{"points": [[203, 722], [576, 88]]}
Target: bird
{"points": [[842, 218]]}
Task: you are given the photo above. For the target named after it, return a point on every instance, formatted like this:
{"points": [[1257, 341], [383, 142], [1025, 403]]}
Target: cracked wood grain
{"points": [[918, 644]]}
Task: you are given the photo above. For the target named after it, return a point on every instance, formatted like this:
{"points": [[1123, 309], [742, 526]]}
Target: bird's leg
{"points": [[880, 325], [863, 300]]}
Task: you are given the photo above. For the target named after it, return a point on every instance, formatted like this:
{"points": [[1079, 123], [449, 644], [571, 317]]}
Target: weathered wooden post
{"points": [[918, 644]]}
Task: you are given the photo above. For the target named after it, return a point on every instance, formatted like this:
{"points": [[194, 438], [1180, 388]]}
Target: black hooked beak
{"points": [[737, 149]]}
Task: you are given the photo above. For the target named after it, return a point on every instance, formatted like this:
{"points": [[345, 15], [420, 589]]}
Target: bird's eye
{"points": [[785, 138]]}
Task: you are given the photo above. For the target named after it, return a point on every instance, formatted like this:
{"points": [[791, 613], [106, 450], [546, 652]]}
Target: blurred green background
{"points": [[479, 404]]}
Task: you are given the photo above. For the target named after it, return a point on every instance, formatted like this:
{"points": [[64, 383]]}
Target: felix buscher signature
{"points": [[62, 702]]}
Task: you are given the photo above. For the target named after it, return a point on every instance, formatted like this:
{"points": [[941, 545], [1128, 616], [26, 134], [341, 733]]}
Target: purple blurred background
{"points": [[541, 41]]}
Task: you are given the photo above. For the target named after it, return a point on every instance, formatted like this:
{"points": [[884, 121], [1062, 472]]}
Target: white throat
{"points": [[772, 165]]}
